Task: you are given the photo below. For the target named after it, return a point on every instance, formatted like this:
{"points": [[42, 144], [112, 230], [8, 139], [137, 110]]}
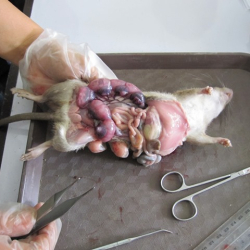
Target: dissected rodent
{"points": [[151, 124]]}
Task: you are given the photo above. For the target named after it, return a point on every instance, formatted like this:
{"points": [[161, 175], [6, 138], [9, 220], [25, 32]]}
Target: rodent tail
{"points": [[28, 116]]}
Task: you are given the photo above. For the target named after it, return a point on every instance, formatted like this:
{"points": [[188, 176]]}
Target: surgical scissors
{"points": [[187, 205], [48, 212]]}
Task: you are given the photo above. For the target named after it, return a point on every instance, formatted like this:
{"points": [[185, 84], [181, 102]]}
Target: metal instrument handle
{"points": [[52, 202], [188, 206], [189, 199], [183, 185], [122, 242]]}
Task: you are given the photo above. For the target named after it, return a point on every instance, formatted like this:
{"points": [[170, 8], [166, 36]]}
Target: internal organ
{"points": [[115, 111]]}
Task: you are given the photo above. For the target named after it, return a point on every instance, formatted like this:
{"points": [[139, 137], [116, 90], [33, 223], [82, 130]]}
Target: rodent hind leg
{"points": [[36, 151], [206, 139], [25, 94]]}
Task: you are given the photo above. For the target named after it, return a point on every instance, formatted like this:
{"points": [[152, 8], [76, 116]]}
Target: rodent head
{"points": [[224, 95], [216, 101], [202, 105]]}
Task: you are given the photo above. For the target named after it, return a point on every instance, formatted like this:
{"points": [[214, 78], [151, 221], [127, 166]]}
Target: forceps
{"points": [[48, 212], [185, 208]]}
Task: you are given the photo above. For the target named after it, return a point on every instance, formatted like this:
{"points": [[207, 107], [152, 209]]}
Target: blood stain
{"points": [[121, 210], [99, 180], [93, 239], [100, 193]]}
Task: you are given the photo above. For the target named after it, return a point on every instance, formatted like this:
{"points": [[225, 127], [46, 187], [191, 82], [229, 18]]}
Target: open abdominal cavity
{"points": [[115, 111]]}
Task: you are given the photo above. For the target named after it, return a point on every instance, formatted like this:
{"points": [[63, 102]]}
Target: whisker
{"points": [[208, 76], [221, 82]]}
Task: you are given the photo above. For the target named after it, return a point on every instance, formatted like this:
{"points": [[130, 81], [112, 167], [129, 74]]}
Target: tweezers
{"points": [[48, 212]]}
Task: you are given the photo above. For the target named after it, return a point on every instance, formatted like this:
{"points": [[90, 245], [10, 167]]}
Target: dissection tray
{"points": [[128, 200]]}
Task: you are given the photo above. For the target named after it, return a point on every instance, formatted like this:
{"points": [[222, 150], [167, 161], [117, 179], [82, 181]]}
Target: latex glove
{"points": [[51, 58], [18, 219]]}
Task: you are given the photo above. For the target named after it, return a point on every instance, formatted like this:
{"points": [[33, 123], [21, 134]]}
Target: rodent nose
{"points": [[229, 94]]}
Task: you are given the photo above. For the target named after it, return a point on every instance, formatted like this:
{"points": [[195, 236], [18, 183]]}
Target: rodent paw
{"points": [[20, 92], [207, 91], [225, 142], [14, 90], [25, 157], [32, 154], [29, 156]]}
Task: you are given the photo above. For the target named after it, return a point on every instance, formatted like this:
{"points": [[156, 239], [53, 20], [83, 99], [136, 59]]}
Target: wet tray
{"points": [[128, 200]]}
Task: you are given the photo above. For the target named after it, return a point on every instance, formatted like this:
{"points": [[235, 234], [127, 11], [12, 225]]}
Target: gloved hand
{"points": [[18, 219], [51, 59]]}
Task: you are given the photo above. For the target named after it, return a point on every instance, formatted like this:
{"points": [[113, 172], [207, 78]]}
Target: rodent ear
{"points": [[207, 91]]}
